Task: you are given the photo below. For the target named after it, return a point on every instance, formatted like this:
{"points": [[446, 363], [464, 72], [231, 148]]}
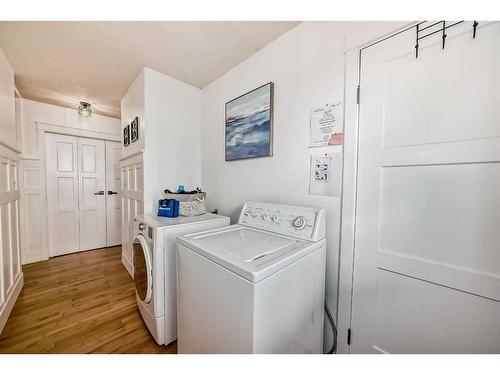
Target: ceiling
{"points": [[64, 62]]}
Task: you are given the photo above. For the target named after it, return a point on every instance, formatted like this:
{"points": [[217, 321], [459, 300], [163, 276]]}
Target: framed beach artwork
{"points": [[249, 124]]}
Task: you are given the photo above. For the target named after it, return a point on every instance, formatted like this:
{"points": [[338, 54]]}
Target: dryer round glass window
{"points": [[142, 269]]}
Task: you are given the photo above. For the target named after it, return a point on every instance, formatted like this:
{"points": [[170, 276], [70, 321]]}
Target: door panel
{"points": [[125, 228], [15, 255], [62, 194], [132, 205], [113, 194], [426, 265], [401, 327], [6, 248], [88, 155], [92, 198], [65, 155], [14, 222]]}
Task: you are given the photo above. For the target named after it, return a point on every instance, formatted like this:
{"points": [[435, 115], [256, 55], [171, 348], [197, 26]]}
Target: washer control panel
{"points": [[300, 222]]}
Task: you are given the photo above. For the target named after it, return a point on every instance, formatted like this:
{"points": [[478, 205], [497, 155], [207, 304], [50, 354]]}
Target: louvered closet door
{"points": [[427, 253], [62, 194], [92, 194]]}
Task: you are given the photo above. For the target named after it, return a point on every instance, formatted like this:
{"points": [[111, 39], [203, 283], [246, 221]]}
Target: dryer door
{"points": [[143, 276]]}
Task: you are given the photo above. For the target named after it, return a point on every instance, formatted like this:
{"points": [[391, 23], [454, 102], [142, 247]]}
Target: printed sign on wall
{"points": [[326, 125], [326, 172]]}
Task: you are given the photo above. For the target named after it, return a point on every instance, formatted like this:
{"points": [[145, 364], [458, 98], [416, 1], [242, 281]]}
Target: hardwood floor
{"points": [[78, 303]]}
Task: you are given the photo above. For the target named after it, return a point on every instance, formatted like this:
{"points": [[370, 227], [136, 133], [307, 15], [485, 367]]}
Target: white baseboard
{"points": [[128, 265], [11, 301]]}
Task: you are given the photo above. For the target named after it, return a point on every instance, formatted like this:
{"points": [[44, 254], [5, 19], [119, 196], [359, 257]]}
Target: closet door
{"points": [[427, 260], [92, 198], [62, 194], [10, 262], [113, 194]]}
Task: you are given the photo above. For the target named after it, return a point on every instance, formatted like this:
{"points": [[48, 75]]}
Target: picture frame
{"points": [[134, 130], [249, 124], [126, 135]]}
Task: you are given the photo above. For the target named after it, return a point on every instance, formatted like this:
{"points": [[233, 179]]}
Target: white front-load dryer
{"points": [[154, 261], [148, 279]]}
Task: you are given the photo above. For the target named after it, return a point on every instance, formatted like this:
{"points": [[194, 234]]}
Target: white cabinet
{"points": [[132, 172], [11, 277]]}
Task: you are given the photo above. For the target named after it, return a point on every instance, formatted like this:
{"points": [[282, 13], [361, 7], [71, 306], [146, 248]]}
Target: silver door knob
{"points": [[100, 192]]}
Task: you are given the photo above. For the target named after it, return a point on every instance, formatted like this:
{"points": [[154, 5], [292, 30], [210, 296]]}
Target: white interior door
{"points": [[62, 194], [427, 260], [113, 194], [10, 257], [92, 195]]}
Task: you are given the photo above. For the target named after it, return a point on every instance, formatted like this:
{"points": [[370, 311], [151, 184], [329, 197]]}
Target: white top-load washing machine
{"points": [[254, 287], [154, 250]]}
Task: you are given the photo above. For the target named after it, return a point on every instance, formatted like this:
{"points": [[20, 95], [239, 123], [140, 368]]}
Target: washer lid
{"points": [[244, 244], [251, 253]]}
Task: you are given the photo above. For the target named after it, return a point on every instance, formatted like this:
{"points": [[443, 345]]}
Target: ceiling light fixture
{"points": [[84, 109]]}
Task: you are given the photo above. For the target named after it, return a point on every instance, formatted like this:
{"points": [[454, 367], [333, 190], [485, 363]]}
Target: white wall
{"points": [[8, 131], [307, 67], [36, 112], [132, 105], [169, 113], [173, 136]]}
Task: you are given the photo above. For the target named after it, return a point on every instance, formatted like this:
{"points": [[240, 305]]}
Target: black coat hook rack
{"points": [[435, 28]]}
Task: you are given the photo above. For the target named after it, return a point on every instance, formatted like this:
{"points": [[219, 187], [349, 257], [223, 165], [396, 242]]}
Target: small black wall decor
{"points": [[126, 135], [134, 130]]}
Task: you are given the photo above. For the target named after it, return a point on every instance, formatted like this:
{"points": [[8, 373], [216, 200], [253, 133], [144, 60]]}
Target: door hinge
{"points": [[357, 94], [349, 336]]}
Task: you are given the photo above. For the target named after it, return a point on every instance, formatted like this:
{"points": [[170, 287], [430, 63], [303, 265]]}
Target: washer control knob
{"points": [[299, 222], [142, 226], [255, 215], [265, 217], [275, 219], [248, 213]]}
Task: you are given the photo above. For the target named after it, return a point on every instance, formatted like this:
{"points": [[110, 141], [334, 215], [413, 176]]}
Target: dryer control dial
{"points": [[142, 226], [299, 222]]}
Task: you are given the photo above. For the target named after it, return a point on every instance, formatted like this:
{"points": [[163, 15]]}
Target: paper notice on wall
{"points": [[326, 125], [326, 172]]}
